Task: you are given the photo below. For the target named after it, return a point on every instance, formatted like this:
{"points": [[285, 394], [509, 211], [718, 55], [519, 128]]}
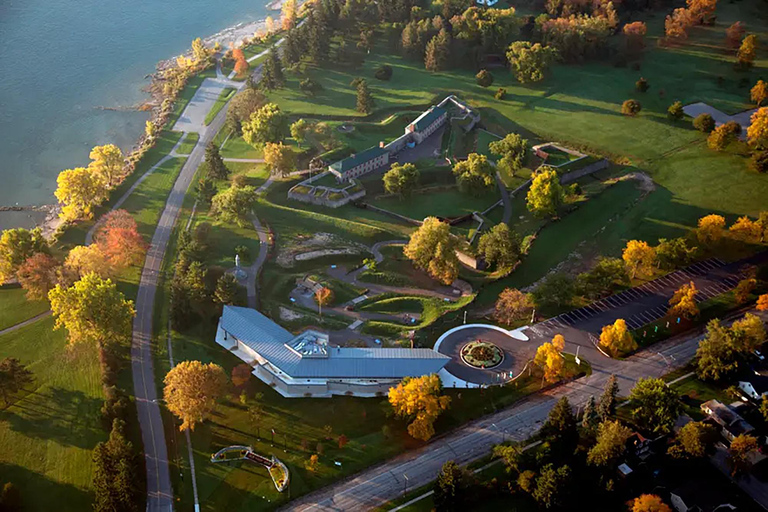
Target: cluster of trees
{"points": [[420, 401], [116, 473], [696, 12], [512, 150], [475, 175], [550, 359], [725, 349]]}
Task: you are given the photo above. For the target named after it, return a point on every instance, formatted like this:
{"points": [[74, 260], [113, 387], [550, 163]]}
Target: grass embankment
{"points": [[448, 202], [188, 144], [431, 309], [224, 96], [15, 306], [49, 430]]}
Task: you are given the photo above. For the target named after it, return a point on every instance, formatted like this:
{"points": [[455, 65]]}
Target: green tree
{"points": [[704, 123], [693, 439], [675, 111], [226, 290], [205, 189], [454, 489], [189, 295], [475, 175], [529, 62], [234, 205], [512, 149], [612, 438], [560, 429], [272, 72], [590, 418], [716, 356], [484, 78], [552, 486], [432, 248], [115, 473], [13, 377], [438, 52], [267, 124], [546, 194], [92, 311], [655, 405], [499, 246], [604, 277], [401, 179], [365, 102], [555, 290], [17, 246], [217, 169], [606, 407], [245, 103], [674, 253], [299, 131]]}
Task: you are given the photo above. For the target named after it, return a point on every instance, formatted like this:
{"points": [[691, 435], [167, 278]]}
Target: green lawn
{"points": [[442, 203], [15, 306], [483, 140], [48, 432], [366, 135], [224, 96], [188, 144], [236, 147], [257, 174]]}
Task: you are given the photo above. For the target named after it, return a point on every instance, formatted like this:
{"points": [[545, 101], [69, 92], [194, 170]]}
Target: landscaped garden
{"points": [[481, 354]]}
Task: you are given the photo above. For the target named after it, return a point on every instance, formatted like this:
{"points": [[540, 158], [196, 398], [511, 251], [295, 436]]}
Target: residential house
{"points": [[730, 422]]}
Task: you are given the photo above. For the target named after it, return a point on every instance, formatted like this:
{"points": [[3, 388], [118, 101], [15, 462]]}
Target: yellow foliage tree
{"points": [[747, 51], [280, 158], [548, 358], [419, 398], [683, 302], [639, 257], [289, 14], [432, 248], [85, 259], [757, 133], [616, 338], [747, 230], [649, 503], [79, 190], [762, 302], [192, 389], [744, 289], [710, 229], [759, 92], [107, 161]]}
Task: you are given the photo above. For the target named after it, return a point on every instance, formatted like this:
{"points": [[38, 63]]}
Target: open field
{"points": [[443, 203], [257, 174], [48, 432], [15, 306]]}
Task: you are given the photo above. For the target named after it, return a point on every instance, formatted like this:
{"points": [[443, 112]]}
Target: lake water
{"points": [[62, 60]]}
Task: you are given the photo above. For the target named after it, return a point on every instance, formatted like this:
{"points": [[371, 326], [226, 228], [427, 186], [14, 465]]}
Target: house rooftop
{"points": [[726, 417], [360, 158], [427, 118]]}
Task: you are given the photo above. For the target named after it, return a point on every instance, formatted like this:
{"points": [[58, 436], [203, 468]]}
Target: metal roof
{"points": [[272, 342], [353, 161], [427, 118]]}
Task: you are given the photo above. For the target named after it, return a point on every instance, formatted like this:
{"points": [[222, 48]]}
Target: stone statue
{"points": [[237, 261]]}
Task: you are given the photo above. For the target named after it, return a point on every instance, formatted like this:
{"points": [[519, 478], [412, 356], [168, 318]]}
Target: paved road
{"points": [[159, 489], [24, 323]]}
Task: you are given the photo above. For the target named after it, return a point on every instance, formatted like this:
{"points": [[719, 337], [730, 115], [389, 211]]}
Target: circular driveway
{"points": [[517, 353]]}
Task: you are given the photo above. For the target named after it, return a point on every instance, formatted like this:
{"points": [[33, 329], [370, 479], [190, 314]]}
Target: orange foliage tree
{"points": [[37, 275], [734, 34], [119, 239], [635, 33], [241, 64]]}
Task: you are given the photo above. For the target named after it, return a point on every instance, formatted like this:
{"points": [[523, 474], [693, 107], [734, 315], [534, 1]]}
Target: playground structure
{"points": [[277, 470]]}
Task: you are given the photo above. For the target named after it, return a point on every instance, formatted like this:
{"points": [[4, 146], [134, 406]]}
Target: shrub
{"points": [[630, 107], [759, 161], [484, 78], [239, 180], [642, 85], [675, 111], [732, 127], [383, 72], [310, 87], [500, 94], [243, 252], [704, 123]]}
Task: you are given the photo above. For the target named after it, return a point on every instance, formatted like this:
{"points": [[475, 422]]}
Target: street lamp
{"points": [[405, 484]]}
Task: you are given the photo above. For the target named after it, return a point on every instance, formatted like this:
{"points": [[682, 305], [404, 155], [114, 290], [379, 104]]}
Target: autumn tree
{"points": [[10, 498], [245, 103], [649, 503], [37, 275], [432, 248], [762, 302], [401, 179], [323, 297], [420, 400], [199, 51], [475, 175], [757, 133], [549, 359], [759, 92], [683, 302], [192, 389], [92, 311], [438, 52], [299, 131], [88, 259], [365, 102], [267, 124], [108, 162], [79, 190], [677, 24], [119, 239], [747, 52], [546, 194], [484, 78], [720, 138], [616, 338], [748, 333], [704, 123], [747, 230], [744, 289], [241, 63], [639, 257], [241, 374], [530, 61], [288, 14], [13, 377], [734, 34], [234, 205], [710, 229], [655, 406], [512, 305], [499, 246], [693, 439], [675, 111], [512, 149], [16, 246], [280, 158], [611, 441], [635, 34], [740, 453], [631, 107], [717, 355]]}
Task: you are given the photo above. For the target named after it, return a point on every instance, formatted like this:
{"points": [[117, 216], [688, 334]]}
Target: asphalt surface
{"points": [[159, 489]]}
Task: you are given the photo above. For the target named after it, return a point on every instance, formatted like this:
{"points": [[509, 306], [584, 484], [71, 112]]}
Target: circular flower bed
{"points": [[481, 354]]}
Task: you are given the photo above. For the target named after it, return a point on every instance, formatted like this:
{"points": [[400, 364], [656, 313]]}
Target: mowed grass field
{"points": [[49, 430], [442, 203], [15, 308]]}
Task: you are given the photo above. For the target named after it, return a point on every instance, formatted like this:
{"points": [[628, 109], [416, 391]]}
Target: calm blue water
{"points": [[62, 59]]}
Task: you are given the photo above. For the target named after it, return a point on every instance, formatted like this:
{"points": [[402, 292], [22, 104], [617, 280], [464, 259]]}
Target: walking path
{"points": [[25, 323], [505, 199]]}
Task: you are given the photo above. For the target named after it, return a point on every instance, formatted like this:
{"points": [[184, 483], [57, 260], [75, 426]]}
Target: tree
{"points": [[683, 302], [546, 194], [749, 333], [454, 488], [762, 302], [743, 290], [739, 453], [432, 248], [92, 311], [631, 107], [499, 246], [272, 72], [604, 276], [299, 131], [226, 290], [115, 473], [119, 239], [13, 377], [677, 24], [716, 356], [734, 34], [199, 51], [245, 103], [87, 259], [267, 124], [79, 190], [280, 158], [529, 62], [552, 486], [512, 305], [759, 93], [241, 63], [639, 258], [323, 297], [710, 229], [694, 438], [419, 399], [548, 358], [606, 407], [719, 138], [555, 290], [475, 175], [649, 503], [438, 52], [635, 34], [674, 253], [611, 441], [192, 389], [17, 246], [747, 230], [401, 179], [206, 189], [642, 85], [655, 406], [590, 418], [217, 169], [512, 149], [704, 123], [37, 275], [10, 498], [365, 102], [107, 161], [289, 15], [560, 429], [616, 338], [484, 78], [234, 205], [675, 111], [745, 57], [757, 133]]}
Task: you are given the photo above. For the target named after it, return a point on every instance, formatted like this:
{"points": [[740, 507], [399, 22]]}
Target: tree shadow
{"points": [[41, 493]]}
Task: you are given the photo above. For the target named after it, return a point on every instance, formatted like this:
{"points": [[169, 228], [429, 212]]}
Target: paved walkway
{"points": [[505, 199], [743, 118], [193, 117], [24, 323]]}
